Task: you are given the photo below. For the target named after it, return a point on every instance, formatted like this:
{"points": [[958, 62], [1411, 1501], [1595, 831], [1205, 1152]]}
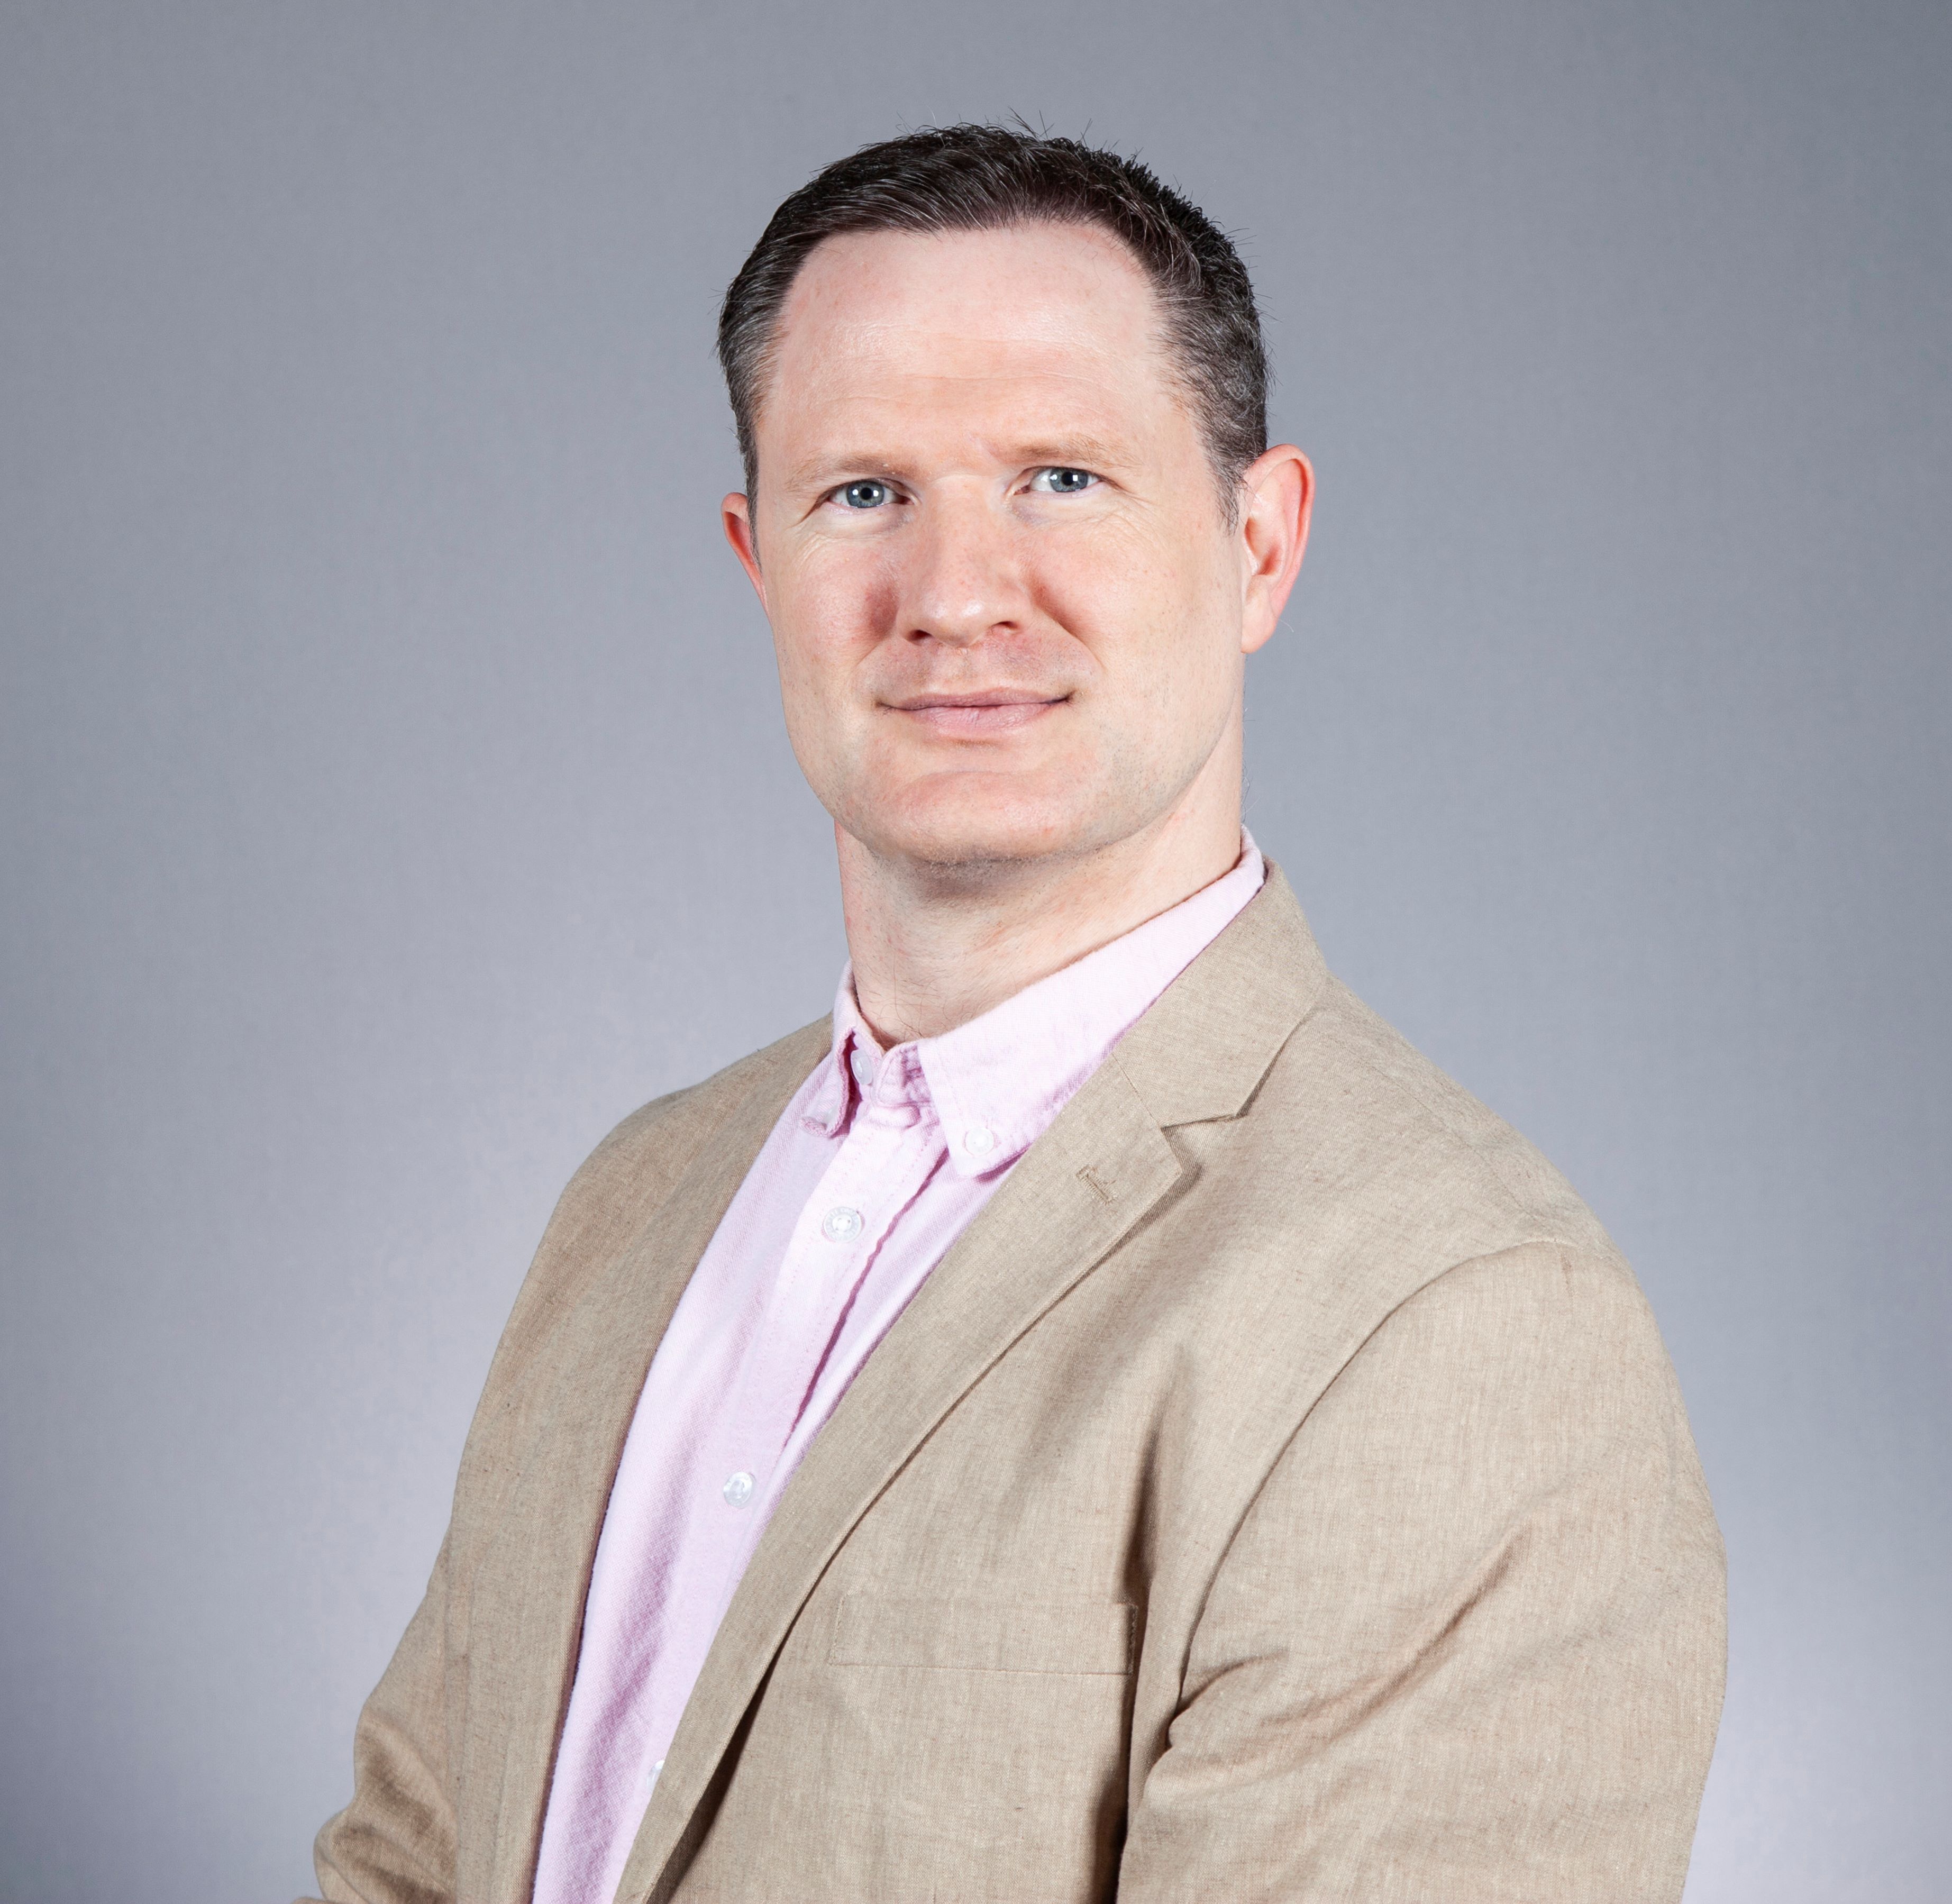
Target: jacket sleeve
{"points": [[1468, 1642], [395, 1843]]}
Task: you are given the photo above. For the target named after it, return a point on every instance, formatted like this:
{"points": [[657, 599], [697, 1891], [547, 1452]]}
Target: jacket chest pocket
{"points": [[989, 1740], [935, 1748]]}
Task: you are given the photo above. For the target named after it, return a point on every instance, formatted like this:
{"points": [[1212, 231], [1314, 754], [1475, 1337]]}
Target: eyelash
{"points": [[840, 489]]}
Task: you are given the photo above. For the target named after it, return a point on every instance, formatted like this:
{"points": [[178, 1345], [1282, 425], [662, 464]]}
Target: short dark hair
{"points": [[981, 178]]}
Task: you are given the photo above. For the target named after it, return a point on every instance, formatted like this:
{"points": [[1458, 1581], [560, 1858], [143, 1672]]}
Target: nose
{"points": [[965, 579]]}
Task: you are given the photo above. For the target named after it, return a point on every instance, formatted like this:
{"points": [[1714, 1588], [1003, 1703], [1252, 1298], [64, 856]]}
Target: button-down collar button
{"points": [[841, 1225], [979, 1140], [864, 1068], [738, 1490]]}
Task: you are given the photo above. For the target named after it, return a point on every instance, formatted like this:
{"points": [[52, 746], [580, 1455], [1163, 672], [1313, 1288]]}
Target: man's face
{"points": [[1009, 610]]}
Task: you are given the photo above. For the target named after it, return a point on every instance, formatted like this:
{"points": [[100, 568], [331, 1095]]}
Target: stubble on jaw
{"points": [[1010, 855]]}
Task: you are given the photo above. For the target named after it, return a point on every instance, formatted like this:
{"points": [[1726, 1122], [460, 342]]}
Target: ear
{"points": [[1276, 492], [735, 515]]}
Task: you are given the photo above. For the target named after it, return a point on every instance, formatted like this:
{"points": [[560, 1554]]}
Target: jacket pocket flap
{"points": [[973, 1635]]}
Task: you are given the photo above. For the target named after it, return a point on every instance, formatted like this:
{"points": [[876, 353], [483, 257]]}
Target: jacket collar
{"points": [[1200, 1052]]}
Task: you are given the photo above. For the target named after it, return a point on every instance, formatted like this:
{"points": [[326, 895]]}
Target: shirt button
{"points": [[738, 1492], [864, 1068], [651, 1777], [979, 1140], [841, 1225]]}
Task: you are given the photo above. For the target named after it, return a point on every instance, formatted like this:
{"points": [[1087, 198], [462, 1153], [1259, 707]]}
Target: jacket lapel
{"points": [[1075, 1195], [526, 1626]]}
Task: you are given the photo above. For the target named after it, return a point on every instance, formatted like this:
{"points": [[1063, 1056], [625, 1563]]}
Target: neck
{"points": [[934, 946]]}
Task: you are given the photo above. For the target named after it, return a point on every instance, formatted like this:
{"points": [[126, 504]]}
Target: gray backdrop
{"points": [[395, 792]]}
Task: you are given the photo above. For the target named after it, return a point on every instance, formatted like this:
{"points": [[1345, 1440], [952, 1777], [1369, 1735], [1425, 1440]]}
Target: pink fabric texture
{"points": [[881, 1161]]}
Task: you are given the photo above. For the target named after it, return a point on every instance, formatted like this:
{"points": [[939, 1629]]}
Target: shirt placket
{"points": [[893, 1145]]}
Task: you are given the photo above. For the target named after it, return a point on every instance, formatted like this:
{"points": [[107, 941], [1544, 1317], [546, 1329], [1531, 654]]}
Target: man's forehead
{"points": [[1059, 304]]}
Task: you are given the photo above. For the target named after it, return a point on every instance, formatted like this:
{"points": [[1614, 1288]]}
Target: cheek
{"points": [[831, 610], [1146, 608]]}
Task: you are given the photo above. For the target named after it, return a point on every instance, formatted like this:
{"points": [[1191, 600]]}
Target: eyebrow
{"points": [[1066, 452], [823, 472]]}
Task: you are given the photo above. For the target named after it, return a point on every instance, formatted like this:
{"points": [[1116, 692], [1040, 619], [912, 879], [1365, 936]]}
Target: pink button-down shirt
{"points": [[879, 1162]]}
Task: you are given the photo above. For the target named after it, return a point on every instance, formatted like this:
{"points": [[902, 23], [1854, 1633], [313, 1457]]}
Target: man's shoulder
{"points": [[1398, 1161], [1335, 1141], [1375, 1210]]}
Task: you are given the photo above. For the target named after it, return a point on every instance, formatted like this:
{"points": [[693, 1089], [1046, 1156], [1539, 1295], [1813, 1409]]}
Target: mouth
{"points": [[976, 713]]}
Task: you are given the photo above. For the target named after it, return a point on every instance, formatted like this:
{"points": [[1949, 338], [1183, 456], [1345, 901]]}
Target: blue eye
{"points": [[869, 495], [1063, 482]]}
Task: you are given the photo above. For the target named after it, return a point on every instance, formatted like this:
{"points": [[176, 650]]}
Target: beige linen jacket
{"points": [[1279, 1491]]}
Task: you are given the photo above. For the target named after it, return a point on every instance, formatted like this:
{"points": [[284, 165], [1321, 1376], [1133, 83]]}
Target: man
{"points": [[1101, 1416]]}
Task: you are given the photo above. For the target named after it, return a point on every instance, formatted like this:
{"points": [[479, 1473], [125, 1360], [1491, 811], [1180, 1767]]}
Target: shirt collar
{"points": [[998, 1082]]}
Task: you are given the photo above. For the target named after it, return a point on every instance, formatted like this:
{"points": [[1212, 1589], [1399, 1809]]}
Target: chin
{"points": [[972, 823]]}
